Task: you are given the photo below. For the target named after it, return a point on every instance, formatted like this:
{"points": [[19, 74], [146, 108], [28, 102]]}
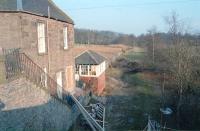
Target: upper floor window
{"points": [[41, 37], [65, 33]]}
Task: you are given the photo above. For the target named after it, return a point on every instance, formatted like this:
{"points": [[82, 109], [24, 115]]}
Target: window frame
{"points": [[65, 38], [43, 36], [84, 70]]}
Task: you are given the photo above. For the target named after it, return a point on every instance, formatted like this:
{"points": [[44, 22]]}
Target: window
{"points": [[84, 70], [77, 69], [92, 70], [41, 37], [65, 38]]}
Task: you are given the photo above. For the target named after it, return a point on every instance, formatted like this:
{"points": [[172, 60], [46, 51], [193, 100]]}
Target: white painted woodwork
{"points": [[65, 33], [70, 78], [41, 38], [96, 70], [59, 84], [45, 77]]}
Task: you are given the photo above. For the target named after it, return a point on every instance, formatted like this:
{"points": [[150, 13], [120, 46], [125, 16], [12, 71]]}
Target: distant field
{"points": [[109, 51], [134, 56]]}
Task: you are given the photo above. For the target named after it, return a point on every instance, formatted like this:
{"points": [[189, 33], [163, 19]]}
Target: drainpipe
{"points": [[20, 8], [49, 58]]}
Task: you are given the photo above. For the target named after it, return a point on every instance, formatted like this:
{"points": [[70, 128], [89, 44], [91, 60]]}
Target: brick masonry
{"points": [[97, 84], [19, 30]]}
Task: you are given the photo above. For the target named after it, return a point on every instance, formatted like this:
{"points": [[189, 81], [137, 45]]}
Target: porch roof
{"points": [[89, 58]]}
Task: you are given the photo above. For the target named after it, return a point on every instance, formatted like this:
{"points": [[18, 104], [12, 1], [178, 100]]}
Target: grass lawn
{"points": [[133, 56]]}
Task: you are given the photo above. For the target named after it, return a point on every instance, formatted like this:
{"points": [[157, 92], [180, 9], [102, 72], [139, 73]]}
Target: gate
{"points": [[12, 62]]}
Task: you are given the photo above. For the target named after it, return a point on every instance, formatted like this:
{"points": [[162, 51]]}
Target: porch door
{"points": [[70, 78], [45, 77], [59, 84]]}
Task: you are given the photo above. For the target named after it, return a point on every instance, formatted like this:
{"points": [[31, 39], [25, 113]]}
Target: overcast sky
{"points": [[130, 16]]}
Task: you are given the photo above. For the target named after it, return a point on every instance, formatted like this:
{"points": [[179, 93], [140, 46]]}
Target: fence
{"points": [[12, 63], [17, 63]]}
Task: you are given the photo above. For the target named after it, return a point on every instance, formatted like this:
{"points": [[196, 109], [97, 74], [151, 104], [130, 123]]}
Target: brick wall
{"points": [[24, 106], [19, 30], [101, 83], [97, 84]]}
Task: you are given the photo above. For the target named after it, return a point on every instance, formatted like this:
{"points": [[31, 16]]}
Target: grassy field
{"points": [[134, 56], [130, 112], [128, 106]]}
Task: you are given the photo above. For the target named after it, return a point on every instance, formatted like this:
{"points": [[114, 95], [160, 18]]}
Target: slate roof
{"points": [[89, 58], [38, 7]]}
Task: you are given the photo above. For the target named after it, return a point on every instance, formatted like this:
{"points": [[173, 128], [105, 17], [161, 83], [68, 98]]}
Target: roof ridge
{"points": [[100, 55], [89, 51], [51, 2]]}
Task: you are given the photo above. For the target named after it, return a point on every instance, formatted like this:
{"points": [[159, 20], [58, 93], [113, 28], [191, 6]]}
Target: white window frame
{"points": [[65, 37], [84, 70], [92, 70], [41, 38]]}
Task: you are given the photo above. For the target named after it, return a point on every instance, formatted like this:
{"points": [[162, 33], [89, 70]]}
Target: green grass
{"points": [[133, 79], [140, 84], [135, 108], [145, 101], [114, 72], [145, 105], [133, 56]]}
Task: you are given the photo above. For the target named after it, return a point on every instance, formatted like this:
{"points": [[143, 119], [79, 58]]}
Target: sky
{"points": [[130, 16]]}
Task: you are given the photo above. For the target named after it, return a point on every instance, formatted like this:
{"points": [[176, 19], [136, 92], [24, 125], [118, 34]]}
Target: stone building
{"points": [[90, 68], [46, 35], [43, 32]]}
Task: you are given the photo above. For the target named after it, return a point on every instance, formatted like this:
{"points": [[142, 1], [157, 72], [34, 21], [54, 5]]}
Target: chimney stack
{"points": [[19, 5]]}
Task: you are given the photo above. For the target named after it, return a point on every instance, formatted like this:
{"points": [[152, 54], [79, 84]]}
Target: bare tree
{"points": [[180, 60], [153, 32]]}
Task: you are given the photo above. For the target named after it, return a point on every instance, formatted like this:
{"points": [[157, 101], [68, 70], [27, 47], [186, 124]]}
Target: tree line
{"points": [[86, 36]]}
